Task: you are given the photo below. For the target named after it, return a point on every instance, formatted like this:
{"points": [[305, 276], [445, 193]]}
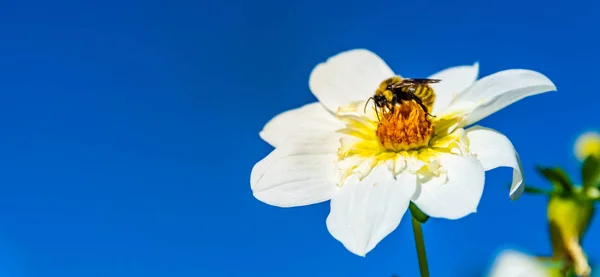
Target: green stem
{"points": [[420, 242]]}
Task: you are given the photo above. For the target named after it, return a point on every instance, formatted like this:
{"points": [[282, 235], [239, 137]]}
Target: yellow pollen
{"points": [[406, 127]]}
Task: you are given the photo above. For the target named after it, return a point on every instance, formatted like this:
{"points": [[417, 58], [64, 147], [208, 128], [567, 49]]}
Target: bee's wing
{"points": [[421, 81], [408, 82]]}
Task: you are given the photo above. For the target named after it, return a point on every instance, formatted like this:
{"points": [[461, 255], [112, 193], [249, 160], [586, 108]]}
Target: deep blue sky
{"points": [[129, 129]]}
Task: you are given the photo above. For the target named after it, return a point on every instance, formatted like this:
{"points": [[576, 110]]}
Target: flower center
{"points": [[405, 127], [402, 138]]}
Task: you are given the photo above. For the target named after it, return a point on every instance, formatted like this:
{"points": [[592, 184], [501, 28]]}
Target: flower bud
{"points": [[587, 144], [569, 218]]}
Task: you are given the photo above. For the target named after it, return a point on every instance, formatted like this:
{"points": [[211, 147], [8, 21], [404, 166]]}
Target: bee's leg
{"points": [[395, 101], [418, 100], [392, 106], [377, 109]]}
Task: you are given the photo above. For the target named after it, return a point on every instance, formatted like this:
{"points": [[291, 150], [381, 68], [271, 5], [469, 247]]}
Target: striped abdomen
{"points": [[425, 93]]}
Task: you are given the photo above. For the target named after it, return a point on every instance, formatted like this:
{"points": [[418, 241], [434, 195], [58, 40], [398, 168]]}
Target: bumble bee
{"points": [[396, 90]]}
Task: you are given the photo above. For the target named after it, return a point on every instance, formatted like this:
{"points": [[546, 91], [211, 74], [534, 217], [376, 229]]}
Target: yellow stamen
{"points": [[405, 127]]}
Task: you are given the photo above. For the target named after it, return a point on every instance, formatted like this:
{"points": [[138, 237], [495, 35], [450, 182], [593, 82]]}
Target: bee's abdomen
{"points": [[425, 93]]}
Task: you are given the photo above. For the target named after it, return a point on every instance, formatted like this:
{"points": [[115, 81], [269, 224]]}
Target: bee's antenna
{"points": [[365, 109]]}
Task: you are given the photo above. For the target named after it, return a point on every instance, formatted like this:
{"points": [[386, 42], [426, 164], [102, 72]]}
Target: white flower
{"points": [[515, 264], [372, 170]]}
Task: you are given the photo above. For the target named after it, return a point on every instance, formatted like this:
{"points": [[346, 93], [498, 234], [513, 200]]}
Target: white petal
{"points": [[454, 80], [364, 212], [310, 117], [298, 172], [515, 264], [348, 76], [494, 149], [501, 89], [459, 196]]}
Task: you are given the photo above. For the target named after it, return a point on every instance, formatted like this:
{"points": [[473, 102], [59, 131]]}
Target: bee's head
{"points": [[380, 100]]}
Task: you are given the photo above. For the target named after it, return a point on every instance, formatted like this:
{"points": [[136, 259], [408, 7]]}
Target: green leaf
{"points": [[533, 190], [558, 178], [590, 172], [417, 213]]}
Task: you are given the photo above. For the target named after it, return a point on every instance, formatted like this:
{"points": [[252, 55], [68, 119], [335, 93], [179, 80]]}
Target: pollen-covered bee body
{"points": [[385, 93], [396, 90], [421, 91]]}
